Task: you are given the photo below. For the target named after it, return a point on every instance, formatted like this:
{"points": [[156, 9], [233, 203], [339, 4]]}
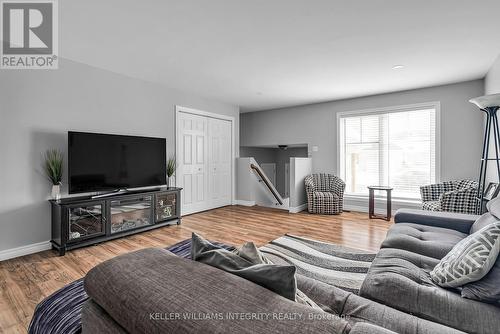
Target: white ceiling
{"points": [[263, 54]]}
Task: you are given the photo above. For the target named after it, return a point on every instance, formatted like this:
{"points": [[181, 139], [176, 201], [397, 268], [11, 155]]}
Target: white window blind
{"points": [[392, 147]]}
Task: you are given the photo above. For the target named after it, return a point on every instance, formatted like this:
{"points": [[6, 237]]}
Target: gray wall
{"points": [[492, 80], [261, 154], [37, 110], [461, 126]]}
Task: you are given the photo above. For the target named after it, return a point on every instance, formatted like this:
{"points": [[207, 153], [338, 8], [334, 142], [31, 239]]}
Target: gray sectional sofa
{"points": [[399, 275], [150, 291]]}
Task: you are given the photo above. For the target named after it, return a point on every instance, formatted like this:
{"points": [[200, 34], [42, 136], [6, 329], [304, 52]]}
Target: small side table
{"points": [[371, 210]]}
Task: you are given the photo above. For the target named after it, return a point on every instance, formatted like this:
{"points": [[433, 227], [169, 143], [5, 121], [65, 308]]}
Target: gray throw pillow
{"points": [[493, 207], [248, 264], [470, 259], [486, 289], [485, 220]]}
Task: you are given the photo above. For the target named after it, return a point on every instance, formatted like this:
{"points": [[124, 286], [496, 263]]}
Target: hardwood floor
{"points": [[25, 281]]}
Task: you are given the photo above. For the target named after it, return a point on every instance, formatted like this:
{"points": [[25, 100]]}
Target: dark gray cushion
{"points": [[358, 310], [430, 241], [493, 207], [455, 221], [490, 217], [401, 279], [485, 220], [486, 289], [248, 264], [133, 286]]}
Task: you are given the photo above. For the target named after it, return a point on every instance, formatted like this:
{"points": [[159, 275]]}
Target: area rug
{"points": [[344, 267], [333, 264]]}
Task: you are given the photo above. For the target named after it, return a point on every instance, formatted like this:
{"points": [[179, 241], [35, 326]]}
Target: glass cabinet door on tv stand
{"points": [[166, 206], [86, 221], [131, 213]]}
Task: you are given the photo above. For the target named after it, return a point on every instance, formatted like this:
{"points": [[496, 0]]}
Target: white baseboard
{"points": [[364, 209], [24, 250], [361, 205], [244, 203], [297, 209]]}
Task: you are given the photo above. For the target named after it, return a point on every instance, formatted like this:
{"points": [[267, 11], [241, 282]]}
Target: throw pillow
{"points": [[204, 251], [486, 289], [485, 220], [277, 278], [493, 207], [470, 259]]}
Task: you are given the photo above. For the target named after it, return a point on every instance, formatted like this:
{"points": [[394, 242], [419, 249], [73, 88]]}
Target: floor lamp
{"points": [[490, 105]]}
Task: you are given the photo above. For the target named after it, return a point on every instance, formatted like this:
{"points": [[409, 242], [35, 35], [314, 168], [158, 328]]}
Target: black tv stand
{"points": [[88, 220]]}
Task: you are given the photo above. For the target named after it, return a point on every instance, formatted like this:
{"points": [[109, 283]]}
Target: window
{"points": [[395, 146]]}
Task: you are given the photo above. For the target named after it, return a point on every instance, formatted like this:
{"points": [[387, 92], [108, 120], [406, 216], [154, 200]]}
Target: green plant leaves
{"points": [[171, 165], [53, 166]]}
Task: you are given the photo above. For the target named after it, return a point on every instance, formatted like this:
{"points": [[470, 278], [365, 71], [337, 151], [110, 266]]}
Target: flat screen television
{"points": [[105, 162]]}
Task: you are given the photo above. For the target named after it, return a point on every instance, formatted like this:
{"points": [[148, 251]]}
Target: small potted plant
{"points": [[170, 169], [53, 167]]}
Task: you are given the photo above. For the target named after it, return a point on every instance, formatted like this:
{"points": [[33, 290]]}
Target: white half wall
{"points": [[39, 107], [299, 169]]}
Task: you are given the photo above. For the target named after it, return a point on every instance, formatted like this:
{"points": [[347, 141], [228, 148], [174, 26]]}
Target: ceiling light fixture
{"points": [[398, 67]]}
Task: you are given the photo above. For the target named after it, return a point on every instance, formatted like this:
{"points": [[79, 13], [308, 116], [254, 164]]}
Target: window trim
{"points": [[436, 105]]}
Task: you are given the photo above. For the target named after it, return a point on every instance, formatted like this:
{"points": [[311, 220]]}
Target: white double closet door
{"points": [[204, 162]]}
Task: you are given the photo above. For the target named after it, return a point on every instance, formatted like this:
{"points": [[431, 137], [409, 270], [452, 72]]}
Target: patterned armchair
{"points": [[452, 196], [325, 193]]}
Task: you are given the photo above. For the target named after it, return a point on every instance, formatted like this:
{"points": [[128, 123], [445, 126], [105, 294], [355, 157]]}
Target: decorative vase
{"points": [[56, 192]]}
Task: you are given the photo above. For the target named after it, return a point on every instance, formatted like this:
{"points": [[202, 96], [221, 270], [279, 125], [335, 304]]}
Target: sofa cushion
{"points": [[138, 289], [430, 241], [359, 311], [325, 196], [366, 328], [471, 259], [401, 279]]}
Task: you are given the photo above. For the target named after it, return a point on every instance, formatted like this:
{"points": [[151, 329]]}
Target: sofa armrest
{"points": [[456, 221], [338, 187], [138, 288]]}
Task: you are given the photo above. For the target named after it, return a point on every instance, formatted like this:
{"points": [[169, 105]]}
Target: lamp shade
{"points": [[486, 101]]}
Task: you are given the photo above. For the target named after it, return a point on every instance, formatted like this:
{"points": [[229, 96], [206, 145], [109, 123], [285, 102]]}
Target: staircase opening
{"points": [[272, 169]]}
